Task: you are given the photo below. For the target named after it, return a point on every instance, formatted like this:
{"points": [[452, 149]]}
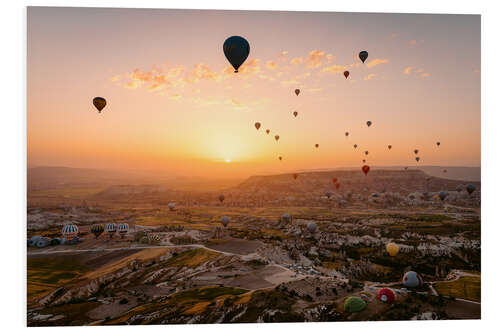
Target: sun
{"points": [[227, 160]]}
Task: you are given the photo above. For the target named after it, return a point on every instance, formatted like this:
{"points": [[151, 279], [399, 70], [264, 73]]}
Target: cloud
{"points": [[369, 77], [272, 65], [289, 82], [334, 69], [315, 58], [376, 62], [203, 72], [296, 61], [425, 75], [283, 56], [251, 66], [407, 70], [175, 96], [116, 78]]}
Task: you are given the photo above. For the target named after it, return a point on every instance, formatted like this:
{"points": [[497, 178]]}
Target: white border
{"points": [[13, 143]]}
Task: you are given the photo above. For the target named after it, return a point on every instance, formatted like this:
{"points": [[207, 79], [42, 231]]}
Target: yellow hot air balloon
{"points": [[392, 249]]}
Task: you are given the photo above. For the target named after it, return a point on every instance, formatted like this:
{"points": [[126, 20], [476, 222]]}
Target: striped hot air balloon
{"points": [[69, 231]]}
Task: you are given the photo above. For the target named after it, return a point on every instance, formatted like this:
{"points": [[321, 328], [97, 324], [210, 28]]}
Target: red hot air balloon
{"points": [[346, 74], [334, 180], [389, 146], [280, 158], [337, 185], [295, 176], [295, 113], [316, 145], [268, 131], [365, 169], [386, 295], [297, 92], [276, 137], [257, 125]]}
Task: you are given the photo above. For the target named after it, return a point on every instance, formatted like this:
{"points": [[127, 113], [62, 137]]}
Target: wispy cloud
{"points": [[369, 77], [272, 65], [315, 58], [376, 62], [334, 69], [425, 75], [407, 70], [296, 61]]}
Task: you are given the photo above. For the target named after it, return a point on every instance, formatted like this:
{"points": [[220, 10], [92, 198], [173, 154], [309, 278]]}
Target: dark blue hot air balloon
{"points": [[236, 50]]}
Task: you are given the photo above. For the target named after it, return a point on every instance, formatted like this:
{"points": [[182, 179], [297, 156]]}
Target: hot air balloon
{"points": [[268, 131], [110, 229], [417, 158], [459, 188], [257, 125], [337, 186], [123, 229], [354, 304], [368, 123], [355, 146], [295, 113], [97, 230], [99, 103], [363, 55], [406, 168], [438, 143], [346, 133], [225, 220], [416, 151], [366, 152], [69, 231], [328, 194], [171, 206], [236, 50], [316, 145], [312, 227], [276, 137], [445, 171], [365, 169], [443, 195], [412, 280], [286, 218], [297, 92], [334, 180], [392, 249], [295, 176], [346, 74], [364, 161], [221, 197], [389, 146], [32, 241], [280, 158], [470, 188], [154, 239], [386, 295]]}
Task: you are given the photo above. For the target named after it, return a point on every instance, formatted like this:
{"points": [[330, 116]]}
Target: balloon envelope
{"points": [[346, 74], [236, 49], [363, 55], [257, 125], [297, 92], [99, 103], [365, 169], [392, 249]]}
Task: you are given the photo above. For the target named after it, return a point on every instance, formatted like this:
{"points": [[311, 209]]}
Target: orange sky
{"points": [[175, 107]]}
